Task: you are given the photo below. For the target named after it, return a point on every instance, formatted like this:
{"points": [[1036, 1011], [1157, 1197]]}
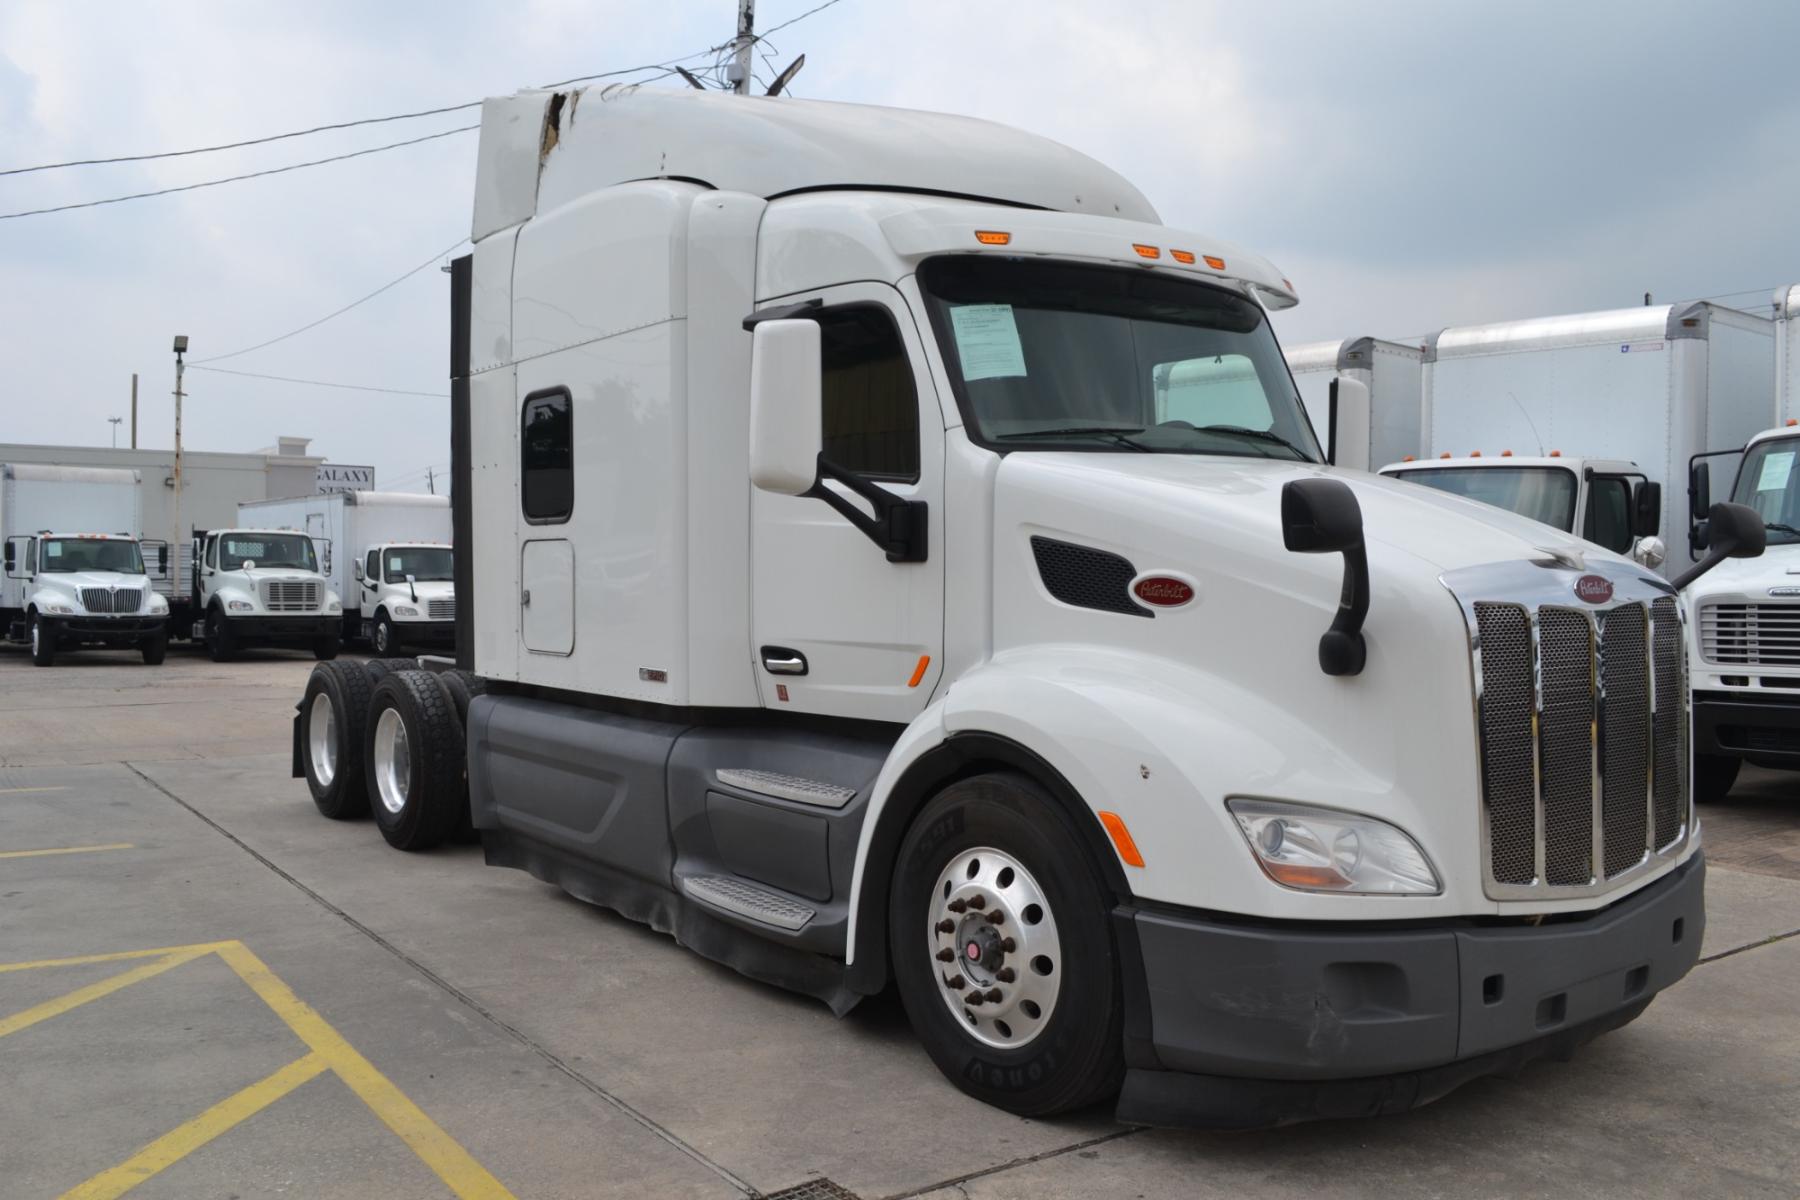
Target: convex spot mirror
{"points": [[785, 385]]}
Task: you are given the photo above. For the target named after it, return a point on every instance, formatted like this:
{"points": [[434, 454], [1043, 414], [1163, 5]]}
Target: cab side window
{"points": [[1609, 514], [372, 568], [31, 557], [868, 404]]}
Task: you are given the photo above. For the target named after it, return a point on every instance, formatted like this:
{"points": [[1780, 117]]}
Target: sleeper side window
{"points": [[547, 457], [868, 403]]}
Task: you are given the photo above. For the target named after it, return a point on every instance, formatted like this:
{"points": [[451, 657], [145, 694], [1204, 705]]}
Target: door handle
{"points": [[525, 598], [779, 660]]}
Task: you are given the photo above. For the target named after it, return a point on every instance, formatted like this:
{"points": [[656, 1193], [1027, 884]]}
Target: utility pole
{"points": [[116, 421], [181, 345], [133, 411], [739, 71]]}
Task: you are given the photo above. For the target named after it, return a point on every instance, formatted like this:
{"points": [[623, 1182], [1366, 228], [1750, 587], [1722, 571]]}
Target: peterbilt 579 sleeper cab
{"points": [[886, 553]]}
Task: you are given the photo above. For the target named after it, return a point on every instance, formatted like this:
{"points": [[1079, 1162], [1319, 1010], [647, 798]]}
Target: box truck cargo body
{"points": [[387, 554], [1787, 352], [888, 553], [1650, 386], [1376, 385], [75, 570]]}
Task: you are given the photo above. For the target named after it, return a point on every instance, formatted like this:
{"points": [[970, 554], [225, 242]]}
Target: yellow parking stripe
{"points": [[184, 1139], [439, 1151], [82, 960], [65, 850], [94, 991]]}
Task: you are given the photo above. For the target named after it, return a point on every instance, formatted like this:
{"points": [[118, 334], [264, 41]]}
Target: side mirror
{"points": [[1349, 425], [249, 564], [1733, 531], [12, 557], [1321, 516], [411, 579], [1699, 491], [786, 380], [1646, 509], [358, 568], [162, 559]]}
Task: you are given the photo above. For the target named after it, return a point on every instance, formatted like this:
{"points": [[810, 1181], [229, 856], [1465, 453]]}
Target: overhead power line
{"points": [[337, 312], [795, 20], [348, 387]]}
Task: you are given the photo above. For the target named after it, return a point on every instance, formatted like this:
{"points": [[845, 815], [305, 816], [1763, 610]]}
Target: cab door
{"points": [[836, 628]]}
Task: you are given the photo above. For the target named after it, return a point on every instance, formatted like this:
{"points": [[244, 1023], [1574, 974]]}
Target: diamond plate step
{"points": [[787, 787], [748, 900]]}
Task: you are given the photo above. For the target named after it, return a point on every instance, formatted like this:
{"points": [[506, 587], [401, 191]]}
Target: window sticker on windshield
{"points": [[393, 565], [988, 341], [1775, 471], [54, 549]]}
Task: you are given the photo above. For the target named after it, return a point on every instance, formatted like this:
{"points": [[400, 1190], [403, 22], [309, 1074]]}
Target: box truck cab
{"points": [[263, 587], [1745, 627], [1362, 396], [887, 553], [1604, 501], [408, 592]]}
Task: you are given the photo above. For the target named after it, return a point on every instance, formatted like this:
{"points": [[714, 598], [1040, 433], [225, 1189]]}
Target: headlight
{"points": [[59, 609], [240, 606], [334, 606], [158, 604], [405, 610], [1323, 850]]}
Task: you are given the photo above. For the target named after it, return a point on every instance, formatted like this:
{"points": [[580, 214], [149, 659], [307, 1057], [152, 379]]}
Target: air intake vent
{"points": [[1087, 578]]}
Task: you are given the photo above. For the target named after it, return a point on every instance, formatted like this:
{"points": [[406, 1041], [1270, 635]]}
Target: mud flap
{"points": [[299, 733]]}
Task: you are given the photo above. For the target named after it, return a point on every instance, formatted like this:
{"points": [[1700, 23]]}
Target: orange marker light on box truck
{"points": [[1182, 256], [1146, 251], [992, 237], [919, 671], [1217, 264], [1506, 454], [1121, 839]]}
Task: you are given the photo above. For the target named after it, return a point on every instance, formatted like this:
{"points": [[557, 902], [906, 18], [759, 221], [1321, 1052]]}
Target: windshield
{"points": [[1544, 494], [1769, 482], [1053, 355], [292, 550], [423, 563], [92, 554]]}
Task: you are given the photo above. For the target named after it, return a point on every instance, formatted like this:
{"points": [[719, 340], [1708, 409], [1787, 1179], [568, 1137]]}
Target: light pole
{"points": [[115, 421], [181, 345]]}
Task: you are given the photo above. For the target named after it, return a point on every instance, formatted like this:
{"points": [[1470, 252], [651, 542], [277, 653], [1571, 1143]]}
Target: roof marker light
{"points": [[1183, 256], [1556, 454], [1793, 421], [1218, 264], [1506, 454], [1408, 458], [1474, 454], [1146, 251], [992, 237], [1445, 454]]}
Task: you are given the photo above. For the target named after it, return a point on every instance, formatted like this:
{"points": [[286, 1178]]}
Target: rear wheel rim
{"points": [[393, 761], [1003, 971], [322, 737]]}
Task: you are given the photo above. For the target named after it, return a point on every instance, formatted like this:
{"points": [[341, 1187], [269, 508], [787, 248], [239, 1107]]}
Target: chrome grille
{"points": [[441, 610], [1750, 634], [283, 595], [105, 600], [1580, 716]]}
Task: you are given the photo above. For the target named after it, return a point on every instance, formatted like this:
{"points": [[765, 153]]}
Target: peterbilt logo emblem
{"points": [[1594, 589], [1162, 591], [1790, 590]]}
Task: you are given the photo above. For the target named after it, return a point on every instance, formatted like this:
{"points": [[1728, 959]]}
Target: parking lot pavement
{"points": [[567, 1052]]}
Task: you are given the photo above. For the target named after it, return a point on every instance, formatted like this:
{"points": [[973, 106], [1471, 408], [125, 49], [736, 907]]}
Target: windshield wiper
{"points": [[1261, 435], [1115, 432]]}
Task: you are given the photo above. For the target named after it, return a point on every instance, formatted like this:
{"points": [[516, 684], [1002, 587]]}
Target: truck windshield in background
{"points": [[423, 563], [1769, 482], [293, 550], [1052, 355], [92, 554], [1544, 494]]}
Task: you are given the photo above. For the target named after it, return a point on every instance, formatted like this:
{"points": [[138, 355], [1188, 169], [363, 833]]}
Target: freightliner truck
{"points": [[853, 587], [262, 587]]}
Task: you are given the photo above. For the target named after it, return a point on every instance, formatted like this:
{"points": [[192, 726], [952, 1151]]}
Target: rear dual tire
{"points": [[414, 757], [334, 714]]}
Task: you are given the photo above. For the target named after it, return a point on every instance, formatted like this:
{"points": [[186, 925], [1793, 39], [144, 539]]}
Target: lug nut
{"points": [[997, 917], [956, 983], [978, 902], [1005, 975], [974, 999], [993, 995], [957, 906], [946, 926], [1007, 945], [946, 955]]}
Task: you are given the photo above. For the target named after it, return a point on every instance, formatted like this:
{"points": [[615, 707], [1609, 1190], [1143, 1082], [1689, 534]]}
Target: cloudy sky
{"points": [[1409, 165]]}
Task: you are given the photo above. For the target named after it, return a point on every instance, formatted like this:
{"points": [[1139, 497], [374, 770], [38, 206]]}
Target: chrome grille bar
{"points": [[105, 600]]}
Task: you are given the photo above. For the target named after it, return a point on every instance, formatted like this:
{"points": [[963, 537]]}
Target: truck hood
{"points": [[88, 579], [1751, 578]]}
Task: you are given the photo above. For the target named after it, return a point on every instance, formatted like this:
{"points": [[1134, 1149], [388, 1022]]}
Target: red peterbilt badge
{"points": [[1163, 591], [1594, 589]]}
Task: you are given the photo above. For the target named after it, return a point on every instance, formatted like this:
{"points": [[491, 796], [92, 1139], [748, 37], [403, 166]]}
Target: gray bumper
{"points": [[1260, 1024]]}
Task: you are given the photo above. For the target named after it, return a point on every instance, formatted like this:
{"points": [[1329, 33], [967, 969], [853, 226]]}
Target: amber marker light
{"points": [[1183, 256], [1121, 839], [1144, 251], [918, 674], [992, 237], [1217, 264]]}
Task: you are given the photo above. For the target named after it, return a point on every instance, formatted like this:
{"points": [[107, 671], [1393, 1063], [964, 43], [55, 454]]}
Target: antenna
{"points": [[1528, 421]]}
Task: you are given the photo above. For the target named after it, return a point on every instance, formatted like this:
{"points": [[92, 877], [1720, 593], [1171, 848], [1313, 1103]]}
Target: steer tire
{"points": [[1001, 837], [43, 641], [338, 788], [221, 639], [155, 647], [1714, 775], [413, 760], [325, 646], [383, 641]]}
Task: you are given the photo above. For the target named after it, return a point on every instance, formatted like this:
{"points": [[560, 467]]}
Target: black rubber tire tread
{"points": [[434, 740], [377, 642], [1079, 1058], [44, 655], [155, 648], [221, 643], [378, 669], [349, 689], [464, 686], [456, 687], [325, 646], [1714, 775]]}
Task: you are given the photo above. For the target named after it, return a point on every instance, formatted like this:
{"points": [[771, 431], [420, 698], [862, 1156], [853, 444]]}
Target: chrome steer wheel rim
{"points": [[322, 739], [994, 948], [393, 761]]}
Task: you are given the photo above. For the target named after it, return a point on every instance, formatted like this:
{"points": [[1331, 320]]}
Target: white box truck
{"points": [[260, 586], [74, 568], [1363, 398], [387, 554], [843, 590], [1629, 394]]}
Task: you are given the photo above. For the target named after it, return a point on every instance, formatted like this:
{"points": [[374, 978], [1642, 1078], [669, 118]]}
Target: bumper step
{"points": [[745, 899], [787, 787]]}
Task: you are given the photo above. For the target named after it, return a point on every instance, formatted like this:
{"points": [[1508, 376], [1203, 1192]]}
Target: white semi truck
{"points": [[262, 587], [1521, 407], [387, 554], [848, 589], [1363, 396], [74, 568]]}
